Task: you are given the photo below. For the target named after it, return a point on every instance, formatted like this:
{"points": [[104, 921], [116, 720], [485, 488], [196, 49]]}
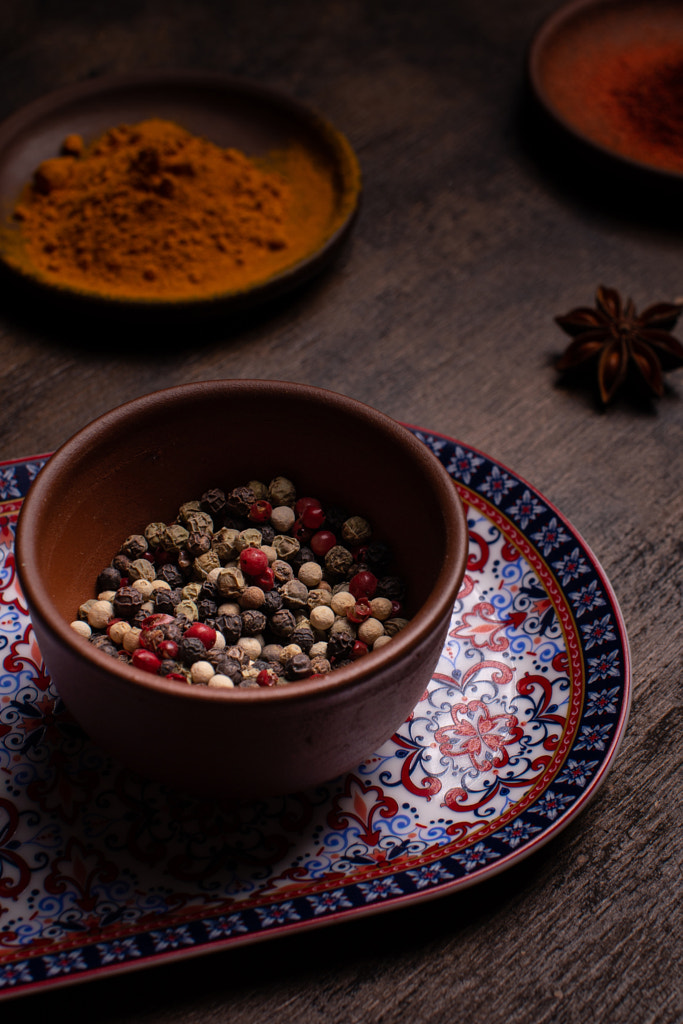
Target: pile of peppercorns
{"points": [[251, 587]]}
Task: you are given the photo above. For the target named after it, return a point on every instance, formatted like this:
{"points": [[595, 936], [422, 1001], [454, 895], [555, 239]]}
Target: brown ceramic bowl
{"points": [[137, 464]]}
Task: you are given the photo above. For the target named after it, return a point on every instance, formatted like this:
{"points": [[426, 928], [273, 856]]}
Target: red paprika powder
{"points": [[619, 83]]}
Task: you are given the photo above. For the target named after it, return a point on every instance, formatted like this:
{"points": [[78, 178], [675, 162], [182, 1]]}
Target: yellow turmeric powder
{"points": [[152, 212]]}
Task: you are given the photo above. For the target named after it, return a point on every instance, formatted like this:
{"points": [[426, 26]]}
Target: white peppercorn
{"points": [[99, 614], [144, 587], [252, 597], [282, 518], [107, 595], [118, 630], [381, 608], [370, 630], [85, 608], [220, 682], [342, 602], [250, 645], [289, 651], [201, 672], [322, 617], [381, 641], [310, 574], [81, 627], [131, 639]]}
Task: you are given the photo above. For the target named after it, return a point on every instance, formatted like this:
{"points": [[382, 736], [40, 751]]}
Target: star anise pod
{"points": [[619, 337]]}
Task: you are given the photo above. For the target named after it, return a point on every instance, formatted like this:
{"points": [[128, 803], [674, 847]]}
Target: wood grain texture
{"points": [[475, 231]]}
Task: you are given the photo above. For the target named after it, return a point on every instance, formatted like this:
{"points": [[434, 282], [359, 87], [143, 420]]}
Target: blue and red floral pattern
{"points": [[101, 869]]}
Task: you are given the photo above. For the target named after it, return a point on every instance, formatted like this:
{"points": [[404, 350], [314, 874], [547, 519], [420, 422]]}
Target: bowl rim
{"points": [[433, 610]]}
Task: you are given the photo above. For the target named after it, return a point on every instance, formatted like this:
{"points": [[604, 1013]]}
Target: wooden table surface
{"points": [[474, 233]]}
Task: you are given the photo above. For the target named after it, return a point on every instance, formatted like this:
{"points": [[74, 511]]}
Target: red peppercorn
{"points": [[168, 649], [396, 608], [260, 511], [313, 517], [304, 503], [199, 630], [300, 532], [322, 541], [360, 553], [363, 584], [146, 660], [149, 556], [177, 675], [155, 620], [253, 561], [267, 677], [358, 649], [266, 581], [361, 611]]}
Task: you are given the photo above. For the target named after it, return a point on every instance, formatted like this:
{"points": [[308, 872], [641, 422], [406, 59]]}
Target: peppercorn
{"points": [[108, 579], [285, 546], [240, 500], [230, 626], [272, 602], [298, 667], [127, 602], [282, 622], [281, 491], [170, 574], [134, 546], [214, 502], [253, 622], [191, 649], [294, 594], [303, 636], [391, 587], [338, 561], [339, 646]]}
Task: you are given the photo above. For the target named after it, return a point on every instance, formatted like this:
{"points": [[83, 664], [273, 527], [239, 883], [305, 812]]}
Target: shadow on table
{"points": [[603, 184]]}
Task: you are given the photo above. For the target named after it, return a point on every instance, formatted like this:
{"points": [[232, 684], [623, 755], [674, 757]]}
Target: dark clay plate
{"points": [[229, 112], [594, 66]]}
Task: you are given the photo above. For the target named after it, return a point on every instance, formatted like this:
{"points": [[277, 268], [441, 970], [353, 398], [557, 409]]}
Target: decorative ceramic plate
{"points": [[610, 72], [229, 112], [102, 871]]}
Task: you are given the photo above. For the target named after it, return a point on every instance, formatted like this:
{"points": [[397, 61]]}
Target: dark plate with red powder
{"points": [[610, 72], [230, 112]]}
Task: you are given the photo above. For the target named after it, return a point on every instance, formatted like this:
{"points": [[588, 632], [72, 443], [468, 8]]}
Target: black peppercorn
{"points": [[168, 665], [282, 622], [109, 579], [303, 636], [198, 544], [390, 587], [240, 500], [134, 546], [121, 563], [339, 646], [192, 649], [230, 626], [253, 622], [298, 667], [102, 642], [207, 608], [267, 533], [169, 573], [377, 557], [127, 602], [213, 502], [272, 602], [166, 600]]}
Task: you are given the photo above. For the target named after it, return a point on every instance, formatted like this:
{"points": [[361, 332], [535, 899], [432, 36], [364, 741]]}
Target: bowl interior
{"points": [[138, 463]]}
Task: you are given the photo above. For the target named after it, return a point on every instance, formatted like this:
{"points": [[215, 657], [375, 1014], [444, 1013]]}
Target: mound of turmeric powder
{"points": [[150, 211]]}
